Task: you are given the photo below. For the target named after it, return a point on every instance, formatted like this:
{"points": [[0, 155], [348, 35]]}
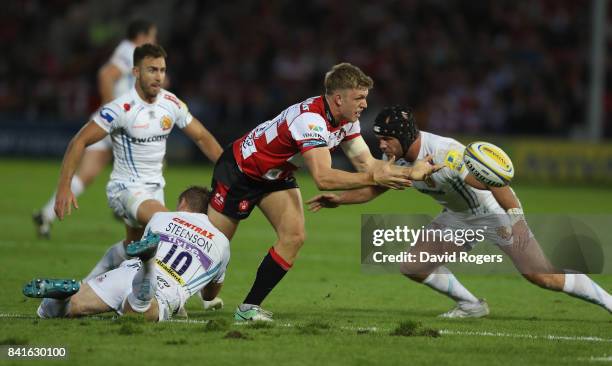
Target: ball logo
{"points": [[488, 163], [499, 159], [166, 123]]}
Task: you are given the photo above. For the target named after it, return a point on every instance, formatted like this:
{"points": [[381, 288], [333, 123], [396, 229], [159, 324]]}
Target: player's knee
{"points": [[293, 240]]}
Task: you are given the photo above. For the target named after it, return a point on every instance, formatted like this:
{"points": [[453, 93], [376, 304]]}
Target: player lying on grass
{"points": [[467, 203], [139, 123], [257, 170], [181, 255]]}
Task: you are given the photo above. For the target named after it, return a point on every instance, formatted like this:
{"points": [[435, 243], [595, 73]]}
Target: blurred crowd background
{"points": [[469, 67]]}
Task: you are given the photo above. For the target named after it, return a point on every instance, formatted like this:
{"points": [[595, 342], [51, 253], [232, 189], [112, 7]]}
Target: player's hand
{"points": [[325, 200], [389, 175], [424, 168], [212, 305], [520, 235], [64, 201]]}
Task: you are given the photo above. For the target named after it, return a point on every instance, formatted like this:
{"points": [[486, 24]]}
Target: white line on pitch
{"points": [[597, 358], [550, 337]]}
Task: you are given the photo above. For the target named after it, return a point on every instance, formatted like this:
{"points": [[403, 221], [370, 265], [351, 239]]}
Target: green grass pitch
{"points": [[327, 311]]}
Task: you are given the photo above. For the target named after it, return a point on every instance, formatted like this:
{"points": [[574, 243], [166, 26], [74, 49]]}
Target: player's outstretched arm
{"points": [[360, 156], [358, 152], [204, 139], [64, 199], [318, 161], [355, 196], [423, 168]]}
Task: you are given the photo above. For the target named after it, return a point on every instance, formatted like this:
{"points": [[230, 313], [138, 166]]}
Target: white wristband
{"points": [[516, 215]]}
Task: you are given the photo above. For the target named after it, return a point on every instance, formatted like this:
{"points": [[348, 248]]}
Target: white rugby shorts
{"points": [[113, 287], [124, 198]]}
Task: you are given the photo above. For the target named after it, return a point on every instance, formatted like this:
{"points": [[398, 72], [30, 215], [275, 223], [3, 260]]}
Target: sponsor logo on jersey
{"points": [[311, 135], [171, 272], [143, 125], [243, 205], [314, 143], [108, 114], [143, 140], [315, 128], [454, 160], [166, 123], [161, 282], [193, 227]]}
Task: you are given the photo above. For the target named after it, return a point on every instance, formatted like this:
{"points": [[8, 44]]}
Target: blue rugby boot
{"points": [[51, 288], [145, 248]]}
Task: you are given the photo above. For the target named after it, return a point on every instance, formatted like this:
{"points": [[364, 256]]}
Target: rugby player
{"points": [[466, 203], [257, 170], [114, 79], [182, 254], [139, 122]]}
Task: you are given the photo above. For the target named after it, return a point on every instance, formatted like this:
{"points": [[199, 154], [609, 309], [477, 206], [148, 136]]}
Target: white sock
{"points": [[143, 287], [53, 308], [580, 285], [48, 211], [111, 260], [445, 282]]}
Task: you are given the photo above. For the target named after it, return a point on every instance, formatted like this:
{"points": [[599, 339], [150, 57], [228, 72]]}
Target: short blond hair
{"points": [[346, 76]]}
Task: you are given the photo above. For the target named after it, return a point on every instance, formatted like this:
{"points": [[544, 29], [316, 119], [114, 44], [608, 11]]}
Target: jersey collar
{"points": [[328, 113], [142, 101]]}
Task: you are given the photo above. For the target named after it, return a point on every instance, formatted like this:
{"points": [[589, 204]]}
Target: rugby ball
{"points": [[488, 163]]}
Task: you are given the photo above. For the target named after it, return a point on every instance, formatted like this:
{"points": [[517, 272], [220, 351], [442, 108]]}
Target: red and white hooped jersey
{"points": [[272, 150]]}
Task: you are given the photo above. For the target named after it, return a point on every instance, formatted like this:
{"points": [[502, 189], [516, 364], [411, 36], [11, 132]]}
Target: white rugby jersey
{"points": [[447, 186], [139, 131], [191, 253], [123, 58]]}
